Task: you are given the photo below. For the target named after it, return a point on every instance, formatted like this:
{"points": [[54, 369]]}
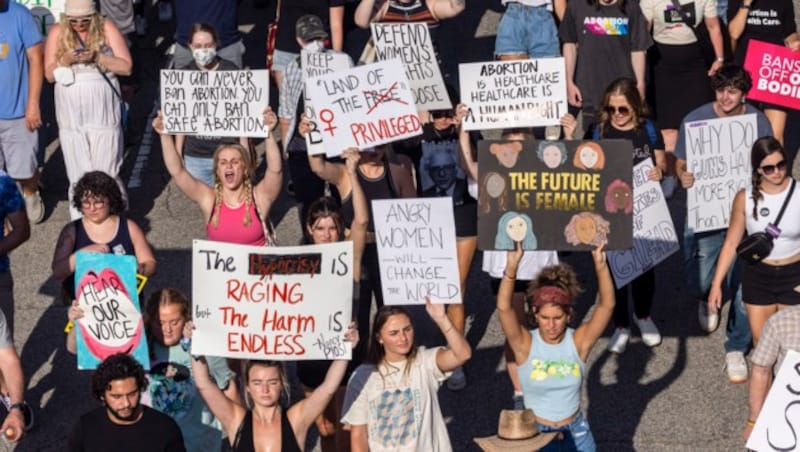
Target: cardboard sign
{"points": [[718, 153], [553, 195], [280, 303], [215, 103], [654, 236], [46, 12], [411, 43], [775, 71], [365, 106], [313, 65], [417, 250], [779, 420], [520, 93], [106, 290]]}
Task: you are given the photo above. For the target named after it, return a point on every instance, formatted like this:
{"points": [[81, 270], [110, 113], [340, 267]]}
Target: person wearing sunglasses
{"points": [[768, 285], [83, 55], [623, 115], [730, 84]]}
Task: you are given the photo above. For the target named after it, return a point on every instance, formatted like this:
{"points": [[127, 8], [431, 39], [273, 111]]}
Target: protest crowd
{"points": [[405, 167]]}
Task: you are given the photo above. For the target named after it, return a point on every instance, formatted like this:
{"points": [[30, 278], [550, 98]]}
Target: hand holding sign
{"points": [[270, 118]]}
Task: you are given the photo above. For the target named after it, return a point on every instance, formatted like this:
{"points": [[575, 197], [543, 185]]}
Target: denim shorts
{"points": [[281, 59], [577, 436], [527, 29]]}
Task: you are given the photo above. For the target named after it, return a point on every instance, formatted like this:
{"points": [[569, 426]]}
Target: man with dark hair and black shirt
{"points": [[122, 423]]}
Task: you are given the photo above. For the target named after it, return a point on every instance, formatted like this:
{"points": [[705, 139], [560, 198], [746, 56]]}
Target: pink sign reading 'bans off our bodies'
{"points": [[776, 74]]}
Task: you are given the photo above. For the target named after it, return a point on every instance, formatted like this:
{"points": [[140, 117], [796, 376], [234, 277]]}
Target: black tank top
{"points": [[378, 188], [244, 437]]}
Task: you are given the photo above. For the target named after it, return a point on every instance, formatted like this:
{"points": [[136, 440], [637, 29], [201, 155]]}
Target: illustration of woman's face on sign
{"points": [[589, 155], [619, 197], [585, 230], [506, 153], [495, 185], [516, 229], [552, 154]]}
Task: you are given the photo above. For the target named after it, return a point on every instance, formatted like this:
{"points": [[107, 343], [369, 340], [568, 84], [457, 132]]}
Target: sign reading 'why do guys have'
{"points": [[216, 103], [522, 93], [365, 106], [411, 42], [417, 250], [718, 154], [282, 303], [654, 236], [314, 64]]}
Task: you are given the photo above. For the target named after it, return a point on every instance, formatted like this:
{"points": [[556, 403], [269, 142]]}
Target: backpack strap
{"points": [[651, 131]]}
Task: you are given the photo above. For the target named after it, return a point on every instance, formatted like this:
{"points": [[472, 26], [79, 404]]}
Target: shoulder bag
{"points": [[755, 247]]}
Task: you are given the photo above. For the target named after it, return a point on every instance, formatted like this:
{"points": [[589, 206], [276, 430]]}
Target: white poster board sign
{"points": [[411, 43], [718, 154], [215, 103], [416, 240], [779, 420], [519, 93], [280, 303], [654, 236], [314, 64], [364, 106], [46, 12]]}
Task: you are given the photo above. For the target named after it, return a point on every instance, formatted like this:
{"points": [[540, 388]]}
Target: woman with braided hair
{"points": [[768, 285], [234, 208]]}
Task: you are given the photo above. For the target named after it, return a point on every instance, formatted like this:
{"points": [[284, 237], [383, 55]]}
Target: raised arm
{"points": [[519, 338], [336, 18], [445, 9], [229, 413], [269, 188], [363, 15], [358, 228], [194, 189], [145, 260], [458, 350], [727, 254], [468, 164], [587, 334]]}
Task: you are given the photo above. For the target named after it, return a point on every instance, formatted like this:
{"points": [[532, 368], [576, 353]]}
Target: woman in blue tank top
{"points": [[551, 358]]}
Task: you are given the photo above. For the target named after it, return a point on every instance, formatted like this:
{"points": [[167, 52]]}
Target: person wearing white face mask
{"points": [[198, 150], [310, 35]]}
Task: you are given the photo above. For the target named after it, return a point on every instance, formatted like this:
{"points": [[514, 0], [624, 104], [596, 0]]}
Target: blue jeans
{"points": [[527, 29], [701, 251], [577, 436], [200, 168]]}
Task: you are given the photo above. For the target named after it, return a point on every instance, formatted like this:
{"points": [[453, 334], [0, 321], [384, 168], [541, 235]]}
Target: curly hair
{"points": [[164, 297], [98, 184], [561, 276], [611, 206], [733, 76], [601, 224], [117, 367]]}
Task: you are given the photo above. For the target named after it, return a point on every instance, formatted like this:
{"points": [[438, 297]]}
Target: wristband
{"points": [[751, 423], [721, 59], [19, 406], [506, 275]]}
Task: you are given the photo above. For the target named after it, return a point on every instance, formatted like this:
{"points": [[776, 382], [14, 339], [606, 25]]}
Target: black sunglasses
{"points": [[769, 169], [623, 110]]}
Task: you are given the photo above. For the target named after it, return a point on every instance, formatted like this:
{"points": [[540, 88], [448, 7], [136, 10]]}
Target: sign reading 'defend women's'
{"points": [[555, 195], [106, 291], [775, 71]]}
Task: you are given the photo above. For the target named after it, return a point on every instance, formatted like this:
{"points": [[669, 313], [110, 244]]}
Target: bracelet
{"points": [[19, 406], [506, 275], [751, 423], [449, 329]]}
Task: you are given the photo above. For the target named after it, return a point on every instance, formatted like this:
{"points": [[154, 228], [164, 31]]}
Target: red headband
{"points": [[551, 294]]}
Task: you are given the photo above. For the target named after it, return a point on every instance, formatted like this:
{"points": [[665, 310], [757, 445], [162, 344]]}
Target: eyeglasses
{"points": [[623, 110], [80, 21], [96, 203], [769, 169], [442, 114]]}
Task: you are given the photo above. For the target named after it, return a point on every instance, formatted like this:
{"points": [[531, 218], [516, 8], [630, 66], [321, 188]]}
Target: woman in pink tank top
{"points": [[234, 208]]}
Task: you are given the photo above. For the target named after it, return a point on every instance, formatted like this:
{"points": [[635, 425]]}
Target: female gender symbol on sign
{"points": [[326, 116]]}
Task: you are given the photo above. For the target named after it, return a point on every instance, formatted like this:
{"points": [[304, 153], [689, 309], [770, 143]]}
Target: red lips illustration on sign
{"points": [[111, 322]]}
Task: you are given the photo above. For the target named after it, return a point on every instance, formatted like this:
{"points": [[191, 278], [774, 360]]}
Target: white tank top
{"points": [[788, 243]]}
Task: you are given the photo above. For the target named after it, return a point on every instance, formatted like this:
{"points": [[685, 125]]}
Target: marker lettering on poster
{"points": [[315, 64]]}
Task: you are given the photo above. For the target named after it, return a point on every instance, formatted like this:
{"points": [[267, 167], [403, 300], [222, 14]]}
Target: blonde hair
{"points": [[248, 185], [68, 38]]}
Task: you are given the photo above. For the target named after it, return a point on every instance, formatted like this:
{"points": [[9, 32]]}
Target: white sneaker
{"points": [[650, 335], [619, 341], [736, 367], [709, 321], [458, 380]]}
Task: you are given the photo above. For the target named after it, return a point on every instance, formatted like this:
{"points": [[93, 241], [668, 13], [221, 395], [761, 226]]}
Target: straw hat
{"points": [[516, 432], [78, 8]]}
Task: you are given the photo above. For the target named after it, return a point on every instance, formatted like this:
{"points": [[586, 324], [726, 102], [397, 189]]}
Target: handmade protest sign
{"points": [[411, 43], [105, 288], [416, 240], [313, 65], [718, 154], [779, 420], [520, 93], [46, 12], [775, 71], [654, 236], [280, 303], [216, 103], [365, 106], [554, 195]]}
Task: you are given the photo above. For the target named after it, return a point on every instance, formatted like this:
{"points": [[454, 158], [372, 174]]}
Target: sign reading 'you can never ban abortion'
{"points": [[365, 106], [215, 103], [282, 303], [416, 240]]}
